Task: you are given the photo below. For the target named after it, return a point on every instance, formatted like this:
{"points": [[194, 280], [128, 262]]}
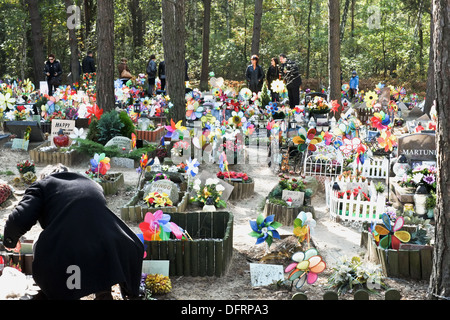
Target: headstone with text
{"points": [[66, 125], [163, 186], [419, 146]]}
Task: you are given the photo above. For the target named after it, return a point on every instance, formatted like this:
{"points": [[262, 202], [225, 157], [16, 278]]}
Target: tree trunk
{"points": [[73, 43], [173, 36], [440, 277], [136, 25], [334, 55], [205, 46], [105, 74], [430, 96], [257, 26], [308, 49], [37, 41]]}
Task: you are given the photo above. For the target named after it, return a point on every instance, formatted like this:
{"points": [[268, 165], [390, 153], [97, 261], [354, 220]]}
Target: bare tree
{"points": [[105, 41], [256, 37], [439, 287], [37, 41], [173, 36], [334, 50], [205, 45]]}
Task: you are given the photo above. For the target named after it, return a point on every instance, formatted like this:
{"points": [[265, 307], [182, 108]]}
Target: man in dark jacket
{"points": [[292, 78], [89, 63], [162, 74], [53, 72], [151, 75], [254, 75], [84, 247]]}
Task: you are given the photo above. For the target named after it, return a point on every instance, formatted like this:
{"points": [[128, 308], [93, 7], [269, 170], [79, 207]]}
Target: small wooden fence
{"points": [[208, 254], [353, 208], [314, 166], [373, 168], [390, 294]]}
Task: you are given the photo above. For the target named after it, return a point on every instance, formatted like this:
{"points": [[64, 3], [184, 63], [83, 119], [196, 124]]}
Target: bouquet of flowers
{"points": [[291, 184], [318, 105], [211, 189], [233, 175], [160, 176], [156, 200], [351, 273], [26, 166], [420, 174]]}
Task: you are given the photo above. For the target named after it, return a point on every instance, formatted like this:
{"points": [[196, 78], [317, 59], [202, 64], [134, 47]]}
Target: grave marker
{"points": [[419, 146]]}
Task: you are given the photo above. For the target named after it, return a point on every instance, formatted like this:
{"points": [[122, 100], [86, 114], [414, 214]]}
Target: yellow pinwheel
{"points": [[391, 235], [387, 140]]}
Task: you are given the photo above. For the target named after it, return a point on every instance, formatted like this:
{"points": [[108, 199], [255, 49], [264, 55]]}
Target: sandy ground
{"points": [[332, 239]]}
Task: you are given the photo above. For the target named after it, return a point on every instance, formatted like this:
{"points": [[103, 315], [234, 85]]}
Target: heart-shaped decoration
{"points": [[216, 82]]}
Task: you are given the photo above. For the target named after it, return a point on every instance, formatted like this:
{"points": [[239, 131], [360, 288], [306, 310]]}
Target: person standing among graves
{"points": [[89, 63], [84, 248], [291, 75], [162, 74], [254, 75], [53, 72], [124, 71], [354, 85], [273, 73], [151, 75]]}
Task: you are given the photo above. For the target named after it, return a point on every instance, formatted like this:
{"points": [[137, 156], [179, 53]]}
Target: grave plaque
{"points": [[20, 144], [296, 196], [123, 143], [66, 125], [122, 162], [163, 186], [18, 128], [265, 274], [419, 146]]}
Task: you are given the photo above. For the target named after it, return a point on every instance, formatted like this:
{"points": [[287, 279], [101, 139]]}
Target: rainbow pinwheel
{"points": [[307, 140], [175, 131], [304, 226], [387, 140], [264, 229], [194, 111], [158, 226], [100, 164], [399, 93], [306, 267], [380, 120], [334, 106], [391, 235], [345, 87]]}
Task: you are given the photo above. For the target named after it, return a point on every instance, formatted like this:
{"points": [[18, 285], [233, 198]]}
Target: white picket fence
{"points": [[354, 208], [373, 168], [329, 168]]}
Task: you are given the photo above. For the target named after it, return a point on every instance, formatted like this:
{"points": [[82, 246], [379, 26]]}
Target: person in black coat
{"points": [[151, 75], [291, 75], [162, 74], [53, 72], [89, 63], [84, 247], [273, 73], [254, 75]]}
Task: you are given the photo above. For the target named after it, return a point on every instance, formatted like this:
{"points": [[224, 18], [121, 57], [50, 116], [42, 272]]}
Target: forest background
{"points": [[385, 41]]}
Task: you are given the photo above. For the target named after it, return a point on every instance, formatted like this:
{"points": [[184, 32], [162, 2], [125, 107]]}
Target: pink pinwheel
{"points": [[306, 267], [157, 226], [327, 137]]}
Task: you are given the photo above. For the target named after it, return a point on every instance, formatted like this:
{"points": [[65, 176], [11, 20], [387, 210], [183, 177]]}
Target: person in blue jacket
{"points": [[354, 85]]}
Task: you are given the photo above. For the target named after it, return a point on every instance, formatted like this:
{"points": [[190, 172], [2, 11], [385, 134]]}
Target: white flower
{"points": [[220, 188], [197, 181], [417, 178], [196, 187]]}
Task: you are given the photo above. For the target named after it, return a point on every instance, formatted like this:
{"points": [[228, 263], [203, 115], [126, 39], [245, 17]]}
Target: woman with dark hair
{"points": [[84, 247], [273, 73], [254, 75], [53, 72]]}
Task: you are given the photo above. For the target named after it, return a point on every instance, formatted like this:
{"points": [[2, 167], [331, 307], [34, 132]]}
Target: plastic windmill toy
{"points": [[390, 236], [306, 267], [307, 140]]}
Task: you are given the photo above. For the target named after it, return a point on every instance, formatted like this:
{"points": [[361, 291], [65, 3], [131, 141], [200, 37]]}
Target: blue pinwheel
{"points": [[264, 229], [272, 107]]}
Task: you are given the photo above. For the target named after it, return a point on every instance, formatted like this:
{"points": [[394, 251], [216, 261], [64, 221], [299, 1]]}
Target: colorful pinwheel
{"points": [[306, 267], [133, 141], [391, 236], [349, 146], [175, 131], [246, 94], [100, 164], [380, 120], [399, 93], [334, 106], [387, 140], [327, 137], [304, 226], [158, 226], [345, 87], [307, 140], [223, 162], [265, 229], [370, 98], [272, 108]]}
